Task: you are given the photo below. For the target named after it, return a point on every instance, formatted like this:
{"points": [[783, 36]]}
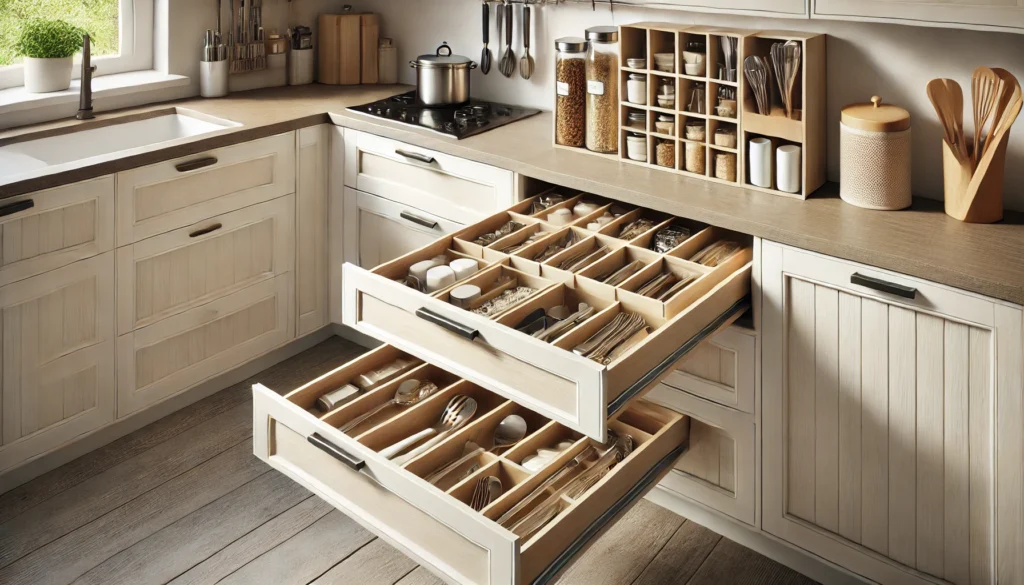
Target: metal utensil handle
{"points": [[352, 461], [427, 223], [449, 324], [205, 230], [487, 23], [196, 164], [423, 158], [508, 24], [16, 207], [437, 476], [407, 442], [907, 292], [526, 26]]}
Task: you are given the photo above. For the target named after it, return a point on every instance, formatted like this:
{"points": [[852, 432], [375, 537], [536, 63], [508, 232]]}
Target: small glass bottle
{"points": [[570, 91], [603, 89]]}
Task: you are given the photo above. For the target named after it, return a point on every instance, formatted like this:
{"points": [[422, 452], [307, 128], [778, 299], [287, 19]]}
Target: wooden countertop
{"points": [[921, 241]]}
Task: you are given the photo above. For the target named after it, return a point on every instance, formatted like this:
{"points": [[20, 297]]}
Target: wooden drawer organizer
{"points": [[550, 378], [434, 524], [644, 39]]}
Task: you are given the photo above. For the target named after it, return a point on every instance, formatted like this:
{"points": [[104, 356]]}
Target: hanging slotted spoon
{"points": [[508, 60], [485, 55], [526, 63]]}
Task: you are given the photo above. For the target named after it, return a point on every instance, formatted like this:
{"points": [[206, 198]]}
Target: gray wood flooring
{"points": [[184, 501]]}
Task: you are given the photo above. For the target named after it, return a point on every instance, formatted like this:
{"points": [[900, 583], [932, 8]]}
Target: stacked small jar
{"points": [[587, 105]]}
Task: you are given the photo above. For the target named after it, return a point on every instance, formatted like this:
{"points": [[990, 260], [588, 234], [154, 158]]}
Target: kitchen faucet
{"points": [[85, 93]]}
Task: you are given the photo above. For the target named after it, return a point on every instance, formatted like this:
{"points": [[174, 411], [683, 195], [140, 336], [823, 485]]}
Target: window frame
{"points": [[135, 29]]}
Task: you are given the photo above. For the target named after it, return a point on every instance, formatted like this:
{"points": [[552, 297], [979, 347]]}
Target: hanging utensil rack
{"points": [[248, 48]]}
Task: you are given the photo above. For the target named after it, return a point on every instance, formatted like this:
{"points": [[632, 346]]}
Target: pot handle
{"points": [[414, 64], [444, 45]]}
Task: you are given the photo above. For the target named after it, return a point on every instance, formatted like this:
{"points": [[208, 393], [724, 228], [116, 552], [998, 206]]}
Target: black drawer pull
{"points": [[449, 324], [907, 292], [353, 461], [205, 230], [423, 158], [198, 163], [417, 219], [16, 207]]}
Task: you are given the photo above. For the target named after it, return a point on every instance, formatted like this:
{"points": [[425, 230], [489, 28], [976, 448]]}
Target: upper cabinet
{"points": [[1006, 15], [783, 8]]}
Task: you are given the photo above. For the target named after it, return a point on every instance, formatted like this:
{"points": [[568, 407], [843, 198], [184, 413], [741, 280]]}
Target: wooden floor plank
{"points": [[737, 565], [377, 563], [199, 535], [32, 493], [620, 555], [307, 555], [76, 507], [420, 576], [252, 545], [679, 560], [72, 555]]}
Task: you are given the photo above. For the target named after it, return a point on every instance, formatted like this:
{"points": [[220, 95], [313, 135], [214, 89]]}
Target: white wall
{"points": [[892, 61]]}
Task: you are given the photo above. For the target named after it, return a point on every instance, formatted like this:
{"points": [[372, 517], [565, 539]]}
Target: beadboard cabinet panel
{"points": [[55, 227], [311, 214], [58, 364], [1005, 15], [880, 436]]}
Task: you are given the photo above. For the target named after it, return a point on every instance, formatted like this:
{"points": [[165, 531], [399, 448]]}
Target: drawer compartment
{"points": [[439, 527], [721, 370], [718, 468], [548, 376], [49, 229], [176, 353], [462, 191], [179, 192], [190, 266]]}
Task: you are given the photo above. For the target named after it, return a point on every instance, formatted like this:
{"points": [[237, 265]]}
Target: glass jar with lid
{"points": [[570, 91], [637, 119], [603, 89]]}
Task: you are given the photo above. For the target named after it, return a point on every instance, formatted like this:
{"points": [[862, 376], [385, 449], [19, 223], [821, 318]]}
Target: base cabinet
{"points": [[312, 150], [892, 426]]}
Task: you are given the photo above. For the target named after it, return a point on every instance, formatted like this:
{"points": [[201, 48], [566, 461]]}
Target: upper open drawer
{"points": [[550, 493], [528, 267]]}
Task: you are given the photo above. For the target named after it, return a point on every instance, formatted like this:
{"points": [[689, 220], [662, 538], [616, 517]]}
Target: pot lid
{"points": [[571, 44], [443, 58], [876, 116], [603, 34]]}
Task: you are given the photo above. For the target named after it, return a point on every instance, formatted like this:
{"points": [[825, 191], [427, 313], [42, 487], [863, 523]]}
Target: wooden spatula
{"points": [[944, 101], [956, 103], [985, 93]]}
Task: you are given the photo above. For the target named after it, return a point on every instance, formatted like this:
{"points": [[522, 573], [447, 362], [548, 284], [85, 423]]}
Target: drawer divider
{"points": [[668, 364]]}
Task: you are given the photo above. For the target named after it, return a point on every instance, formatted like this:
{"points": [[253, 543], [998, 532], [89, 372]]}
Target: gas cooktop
{"points": [[458, 121]]}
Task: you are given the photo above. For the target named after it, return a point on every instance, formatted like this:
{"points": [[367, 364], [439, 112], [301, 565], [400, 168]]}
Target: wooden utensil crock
{"points": [[974, 197]]}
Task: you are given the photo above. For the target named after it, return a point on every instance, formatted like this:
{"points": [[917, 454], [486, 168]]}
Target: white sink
{"points": [[30, 158]]}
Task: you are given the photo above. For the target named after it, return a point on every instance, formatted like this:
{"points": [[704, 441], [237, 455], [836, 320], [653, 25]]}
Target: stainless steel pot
{"points": [[442, 79]]}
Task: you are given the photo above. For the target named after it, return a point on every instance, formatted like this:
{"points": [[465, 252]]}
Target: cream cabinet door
{"points": [[1005, 15], [892, 430], [58, 357], [786, 8], [311, 214]]}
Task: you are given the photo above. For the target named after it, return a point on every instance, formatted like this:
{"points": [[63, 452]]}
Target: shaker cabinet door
{"points": [[892, 424], [1005, 15], [784, 8]]}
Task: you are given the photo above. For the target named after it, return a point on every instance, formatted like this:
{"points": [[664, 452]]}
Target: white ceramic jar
{"points": [[636, 147], [636, 89]]}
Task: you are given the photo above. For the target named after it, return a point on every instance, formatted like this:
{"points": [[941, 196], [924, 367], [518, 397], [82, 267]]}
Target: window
{"points": [[122, 33]]}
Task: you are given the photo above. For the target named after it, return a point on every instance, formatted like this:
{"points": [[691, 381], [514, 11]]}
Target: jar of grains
{"points": [[603, 89], [570, 91]]}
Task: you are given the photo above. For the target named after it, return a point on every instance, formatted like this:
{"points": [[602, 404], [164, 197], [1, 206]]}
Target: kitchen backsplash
{"points": [[864, 59]]}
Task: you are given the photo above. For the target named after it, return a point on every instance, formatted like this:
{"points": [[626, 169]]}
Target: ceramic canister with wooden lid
{"points": [[874, 154]]}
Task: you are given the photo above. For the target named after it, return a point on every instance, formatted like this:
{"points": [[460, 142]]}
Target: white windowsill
{"points": [[16, 98]]}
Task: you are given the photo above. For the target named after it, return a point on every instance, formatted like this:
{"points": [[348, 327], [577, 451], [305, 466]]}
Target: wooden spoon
{"points": [[1010, 92], [944, 103], [985, 92], [956, 97]]}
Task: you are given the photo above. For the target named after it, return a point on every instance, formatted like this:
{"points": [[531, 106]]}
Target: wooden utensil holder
{"points": [[974, 195]]}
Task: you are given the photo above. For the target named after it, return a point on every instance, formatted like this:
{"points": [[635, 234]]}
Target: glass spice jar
{"points": [[570, 91], [603, 89], [637, 120]]}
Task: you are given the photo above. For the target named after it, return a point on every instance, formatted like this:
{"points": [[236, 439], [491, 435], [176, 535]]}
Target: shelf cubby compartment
{"points": [[693, 40], [624, 100], [633, 44], [663, 41], [653, 118], [776, 143]]}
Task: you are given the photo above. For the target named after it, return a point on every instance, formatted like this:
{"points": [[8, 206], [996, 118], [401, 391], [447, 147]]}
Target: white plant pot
{"points": [[46, 75]]}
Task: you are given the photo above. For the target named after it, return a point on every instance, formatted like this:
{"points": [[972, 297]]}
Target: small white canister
{"points": [[874, 156]]}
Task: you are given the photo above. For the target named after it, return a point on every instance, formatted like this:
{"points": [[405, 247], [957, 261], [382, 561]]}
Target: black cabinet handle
{"points": [[198, 163], [449, 324], [907, 292], [423, 158], [205, 230], [418, 220], [353, 461], [16, 207]]}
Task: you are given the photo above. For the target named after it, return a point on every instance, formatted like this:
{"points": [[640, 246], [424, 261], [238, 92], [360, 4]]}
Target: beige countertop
{"points": [[921, 241]]}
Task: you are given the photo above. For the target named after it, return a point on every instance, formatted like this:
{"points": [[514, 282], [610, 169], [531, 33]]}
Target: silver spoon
{"points": [[509, 431], [408, 393], [455, 416]]}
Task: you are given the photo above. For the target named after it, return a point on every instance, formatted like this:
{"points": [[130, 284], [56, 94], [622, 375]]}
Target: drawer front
{"points": [[434, 526], [168, 195], [53, 228], [191, 266], [451, 187], [718, 470], [721, 370], [58, 363], [178, 352]]}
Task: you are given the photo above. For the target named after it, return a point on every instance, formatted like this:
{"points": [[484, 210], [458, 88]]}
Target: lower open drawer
{"points": [[433, 519]]}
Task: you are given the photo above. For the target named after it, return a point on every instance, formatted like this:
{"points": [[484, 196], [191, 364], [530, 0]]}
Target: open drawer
{"points": [[558, 266], [432, 519]]}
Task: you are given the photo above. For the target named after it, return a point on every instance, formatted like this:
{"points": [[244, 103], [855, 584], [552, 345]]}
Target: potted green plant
{"points": [[48, 47]]}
